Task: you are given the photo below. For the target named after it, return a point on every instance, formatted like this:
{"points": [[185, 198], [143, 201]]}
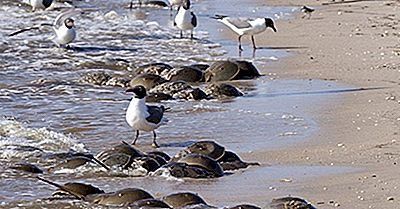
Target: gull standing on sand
{"points": [[142, 117], [246, 26], [63, 28], [185, 19], [40, 4]]}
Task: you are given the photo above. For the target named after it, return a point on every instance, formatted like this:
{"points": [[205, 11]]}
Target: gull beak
{"points": [[273, 28], [129, 90]]}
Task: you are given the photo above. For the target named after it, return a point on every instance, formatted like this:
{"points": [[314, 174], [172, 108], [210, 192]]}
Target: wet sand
{"points": [[352, 43]]}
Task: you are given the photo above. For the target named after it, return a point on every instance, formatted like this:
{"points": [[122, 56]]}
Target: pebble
{"points": [[390, 198]]}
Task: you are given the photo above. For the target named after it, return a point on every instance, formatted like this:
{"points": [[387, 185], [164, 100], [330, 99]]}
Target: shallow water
{"points": [[41, 117]]}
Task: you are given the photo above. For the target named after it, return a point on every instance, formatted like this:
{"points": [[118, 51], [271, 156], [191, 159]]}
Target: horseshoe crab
{"points": [[231, 161], [147, 80], [148, 163], [205, 162], [157, 97], [182, 199], [230, 70], [78, 190], [247, 70], [161, 154], [208, 148], [221, 71], [151, 203], [202, 67], [120, 197], [75, 162], [244, 206], [160, 160], [179, 90], [26, 167], [185, 73], [97, 78], [153, 68], [290, 203], [183, 170], [119, 155], [220, 90]]}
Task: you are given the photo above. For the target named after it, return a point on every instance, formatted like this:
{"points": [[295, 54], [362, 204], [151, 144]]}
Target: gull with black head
{"points": [[185, 19], [246, 26], [307, 11], [142, 117], [63, 28]]}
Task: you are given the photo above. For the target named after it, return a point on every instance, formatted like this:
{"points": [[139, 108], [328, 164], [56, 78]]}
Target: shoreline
{"points": [[352, 44]]}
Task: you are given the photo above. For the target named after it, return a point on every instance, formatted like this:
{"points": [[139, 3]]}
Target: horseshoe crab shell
{"points": [[182, 199], [26, 167], [151, 203], [161, 154], [123, 148], [79, 190], [219, 90], [231, 161], [183, 170], [147, 80], [209, 148], [153, 68], [120, 197], [71, 163], [244, 206], [290, 203], [203, 162], [221, 71], [247, 70], [185, 73]]}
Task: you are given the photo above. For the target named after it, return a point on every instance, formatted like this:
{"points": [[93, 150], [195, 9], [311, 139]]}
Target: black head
{"points": [[270, 23], [69, 23], [139, 91], [186, 4]]}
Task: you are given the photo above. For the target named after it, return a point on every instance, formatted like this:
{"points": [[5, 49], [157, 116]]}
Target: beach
{"points": [[354, 44]]}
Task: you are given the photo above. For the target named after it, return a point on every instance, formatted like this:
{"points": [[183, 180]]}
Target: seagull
{"points": [[40, 4], [246, 26], [307, 11], [63, 27], [185, 19], [142, 117]]}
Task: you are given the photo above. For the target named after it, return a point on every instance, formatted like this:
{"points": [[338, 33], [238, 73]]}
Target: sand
{"points": [[356, 44]]}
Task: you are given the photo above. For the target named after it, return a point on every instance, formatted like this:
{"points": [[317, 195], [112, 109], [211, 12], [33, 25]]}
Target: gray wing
{"points": [[61, 17], [156, 114], [194, 19], [239, 22]]}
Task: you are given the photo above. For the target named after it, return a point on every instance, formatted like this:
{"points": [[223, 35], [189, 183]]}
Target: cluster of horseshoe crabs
{"points": [[193, 82]]}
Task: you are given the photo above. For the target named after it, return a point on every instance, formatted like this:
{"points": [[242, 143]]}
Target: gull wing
{"points": [[155, 114], [239, 22], [61, 17]]}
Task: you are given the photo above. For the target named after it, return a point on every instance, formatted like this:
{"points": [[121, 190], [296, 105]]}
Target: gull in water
{"points": [[307, 11], [185, 19], [63, 27], [246, 26], [40, 4], [142, 117]]}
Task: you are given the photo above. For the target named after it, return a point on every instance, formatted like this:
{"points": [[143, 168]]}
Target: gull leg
{"points": [[181, 34], [191, 35], [131, 6], [154, 140], [254, 44], [136, 137], [240, 43]]}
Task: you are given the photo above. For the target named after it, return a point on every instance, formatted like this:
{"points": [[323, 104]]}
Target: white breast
{"points": [[183, 19], [136, 115], [64, 35]]}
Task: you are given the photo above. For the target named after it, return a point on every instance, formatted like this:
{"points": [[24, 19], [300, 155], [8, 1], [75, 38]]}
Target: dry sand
{"points": [[353, 43]]}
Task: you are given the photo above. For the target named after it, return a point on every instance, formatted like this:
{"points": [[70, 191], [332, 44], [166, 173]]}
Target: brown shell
{"points": [[290, 203], [221, 71], [185, 73], [147, 80], [79, 189], [153, 68], [123, 148], [26, 167], [183, 170], [121, 197], [245, 206], [71, 163], [151, 203], [183, 199], [247, 70], [205, 162], [209, 148]]}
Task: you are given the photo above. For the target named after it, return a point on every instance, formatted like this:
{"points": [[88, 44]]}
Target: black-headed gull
{"points": [[185, 19], [142, 117], [246, 26]]}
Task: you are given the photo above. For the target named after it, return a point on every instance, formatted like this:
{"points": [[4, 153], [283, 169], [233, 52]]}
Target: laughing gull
{"points": [[185, 19], [307, 11], [246, 26], [40, 4], [63, 27], [142, 117]]}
